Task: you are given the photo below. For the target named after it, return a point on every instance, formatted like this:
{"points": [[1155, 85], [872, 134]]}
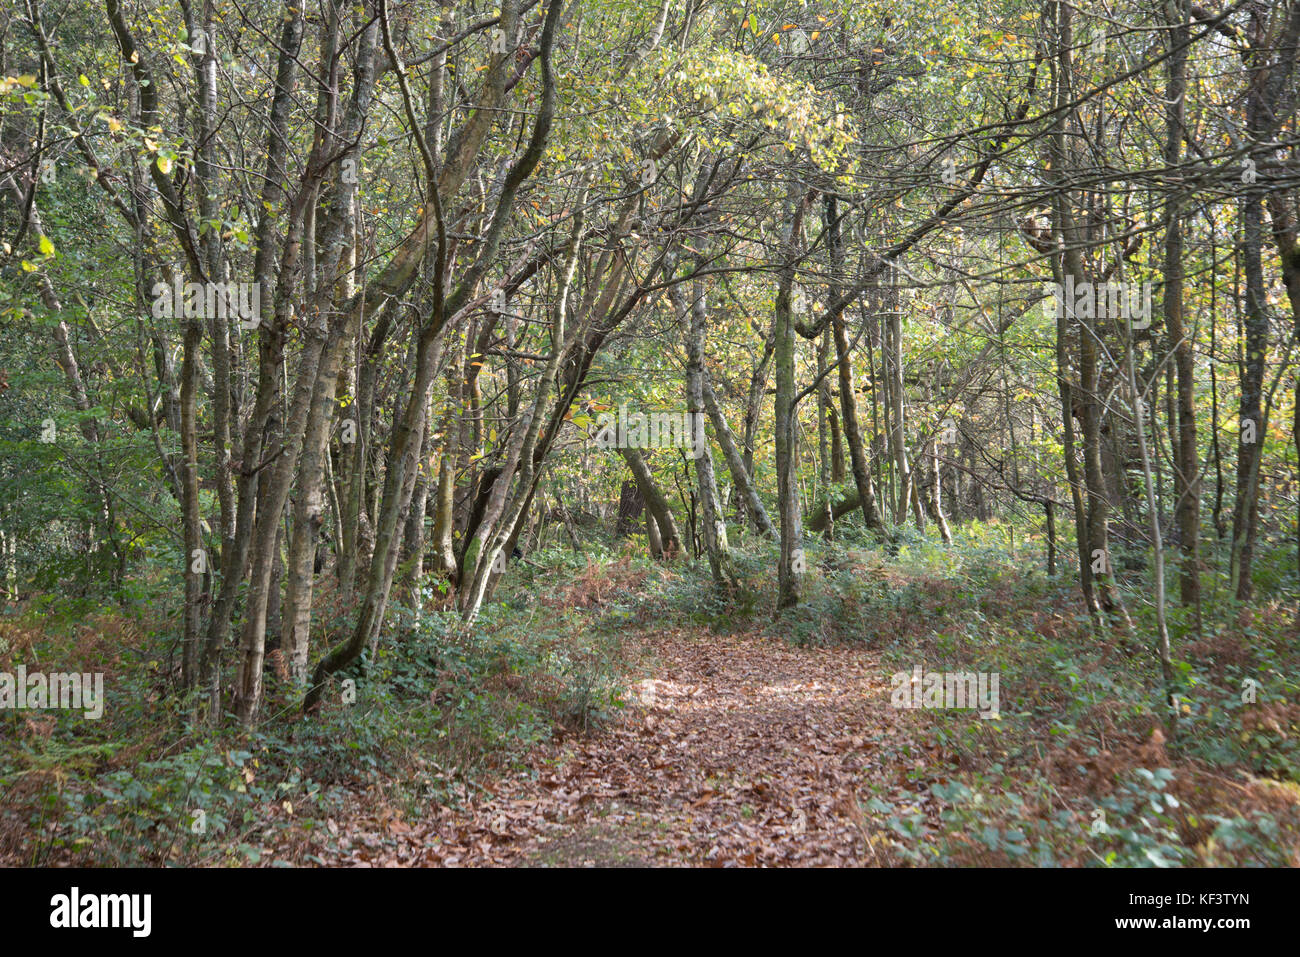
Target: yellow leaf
{"points": [[46, 247], [164, 165], [28, 267], [82, 80]]}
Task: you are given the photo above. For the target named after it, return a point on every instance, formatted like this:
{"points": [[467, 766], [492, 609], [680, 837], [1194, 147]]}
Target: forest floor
{"points": [[616, 712], [748, 749], [735, 750]]}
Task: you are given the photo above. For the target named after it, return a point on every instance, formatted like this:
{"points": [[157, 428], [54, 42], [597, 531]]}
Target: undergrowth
{"points": [[1084, 764]]}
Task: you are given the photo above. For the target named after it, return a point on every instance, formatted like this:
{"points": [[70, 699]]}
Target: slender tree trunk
{"points": [[907, 493], [823, 437], [740, 474], [1187, 483], [1285, 236], [1050, 513], [196, 558], [936, 494], [1250, 440], [793, 562], [1157, 541], [753, 409], [694, 317], [413, 535]]}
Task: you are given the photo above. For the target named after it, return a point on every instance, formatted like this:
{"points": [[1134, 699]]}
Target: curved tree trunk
{"points": [[655, 502]]}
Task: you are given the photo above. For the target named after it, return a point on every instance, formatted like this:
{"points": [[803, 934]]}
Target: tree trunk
{"points": [[1187, 482], [936, 494], [656, 503], [631, 506], [740, 474], [793, 562], [693, 317]]}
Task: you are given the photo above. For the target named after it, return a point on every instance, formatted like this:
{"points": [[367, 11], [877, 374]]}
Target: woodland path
{"points": [[737, 750]]}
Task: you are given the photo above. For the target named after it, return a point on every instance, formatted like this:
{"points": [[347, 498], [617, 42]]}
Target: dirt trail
{"points": [[737, 751]]}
